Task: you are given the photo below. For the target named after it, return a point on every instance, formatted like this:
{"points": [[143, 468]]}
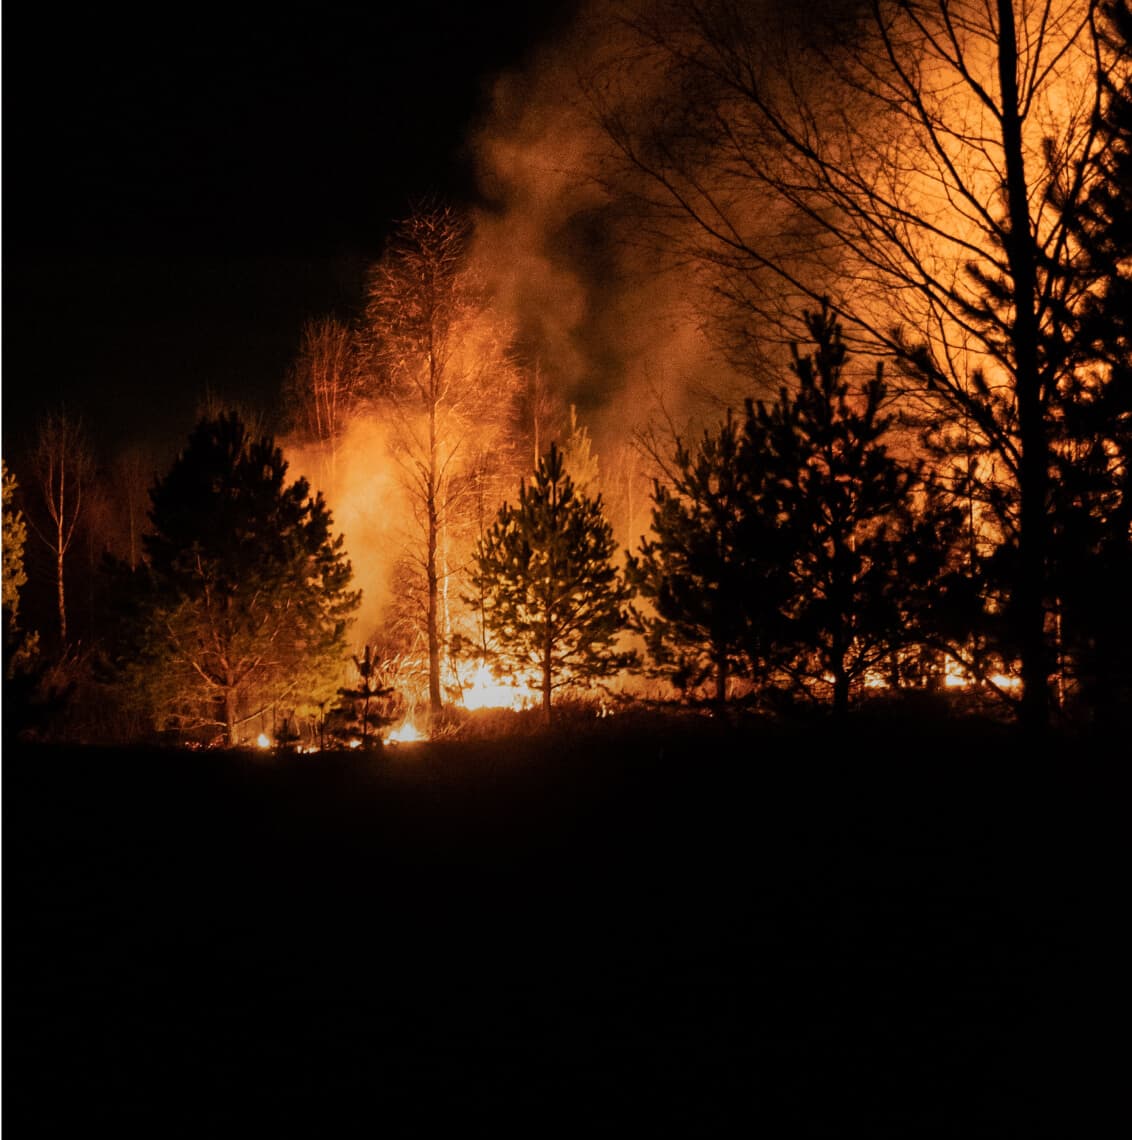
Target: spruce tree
{"points": [[552, 601]]}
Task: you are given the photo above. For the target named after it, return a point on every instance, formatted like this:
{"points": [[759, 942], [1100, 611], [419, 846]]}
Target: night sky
{"points": [[180, 195]]}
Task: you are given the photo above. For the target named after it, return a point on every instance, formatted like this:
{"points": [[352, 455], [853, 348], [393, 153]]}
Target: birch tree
{"points": [[442, 358], [63, 466]]}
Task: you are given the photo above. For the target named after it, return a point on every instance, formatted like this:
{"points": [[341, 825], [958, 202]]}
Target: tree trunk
{"points": [[840, 693], [1033, 475], [59, 587], [547, 669], [839, 647], [435, 701], [230, 715], [721, 681]]}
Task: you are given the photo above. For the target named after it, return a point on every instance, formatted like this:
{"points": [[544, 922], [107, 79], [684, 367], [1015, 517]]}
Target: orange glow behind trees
{"points": [[906, 162], [930, 167]]}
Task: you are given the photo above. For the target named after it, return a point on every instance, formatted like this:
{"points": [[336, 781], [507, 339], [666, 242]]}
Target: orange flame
{"points": [[406, 734], [486, 691]]}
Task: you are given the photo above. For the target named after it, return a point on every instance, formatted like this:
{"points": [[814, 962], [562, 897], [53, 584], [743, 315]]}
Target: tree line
{"points": [[961, 512]]}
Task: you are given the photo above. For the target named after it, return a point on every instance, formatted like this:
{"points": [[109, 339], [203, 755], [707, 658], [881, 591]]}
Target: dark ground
{"points": [[604, 934]]}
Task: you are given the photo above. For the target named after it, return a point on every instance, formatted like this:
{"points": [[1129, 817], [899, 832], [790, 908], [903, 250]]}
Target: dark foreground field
{"points": [[609, 933]]}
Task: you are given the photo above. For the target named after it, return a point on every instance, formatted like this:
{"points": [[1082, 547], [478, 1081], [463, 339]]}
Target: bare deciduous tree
{"points": [[324, 385], [442, 355], [63, 464]]}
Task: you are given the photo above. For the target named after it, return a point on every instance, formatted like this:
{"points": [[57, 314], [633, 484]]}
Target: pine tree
{"points": [[363, 699], [248, 601], [843, 508], [713, 572], [1091, 547], [552, 601]]}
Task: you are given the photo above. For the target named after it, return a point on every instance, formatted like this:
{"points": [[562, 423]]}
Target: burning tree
{"points": [[552, 601], [247, 598], [446, 380]]}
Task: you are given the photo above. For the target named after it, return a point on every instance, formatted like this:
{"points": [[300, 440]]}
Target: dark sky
{"points": [[179, 195]]}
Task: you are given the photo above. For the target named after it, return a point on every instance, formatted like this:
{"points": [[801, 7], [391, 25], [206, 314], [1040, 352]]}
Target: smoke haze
{"points": [[617, 319]]}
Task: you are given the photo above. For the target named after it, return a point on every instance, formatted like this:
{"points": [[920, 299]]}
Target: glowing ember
{"points": [[263, 740], [405, 734], [486, 691]]}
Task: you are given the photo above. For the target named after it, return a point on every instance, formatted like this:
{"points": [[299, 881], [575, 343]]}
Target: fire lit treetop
{"points": [[552, 600], [249, 601], [441, 356]]}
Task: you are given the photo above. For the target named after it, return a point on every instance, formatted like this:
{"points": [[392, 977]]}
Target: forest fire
{"points": [[888, 495]]}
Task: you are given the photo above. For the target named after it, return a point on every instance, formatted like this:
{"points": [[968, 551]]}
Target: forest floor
{"points": [[878, 933]]}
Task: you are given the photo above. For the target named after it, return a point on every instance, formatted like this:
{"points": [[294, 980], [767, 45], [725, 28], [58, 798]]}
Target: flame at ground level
{"points": [[407, 733], [486, 691]]}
